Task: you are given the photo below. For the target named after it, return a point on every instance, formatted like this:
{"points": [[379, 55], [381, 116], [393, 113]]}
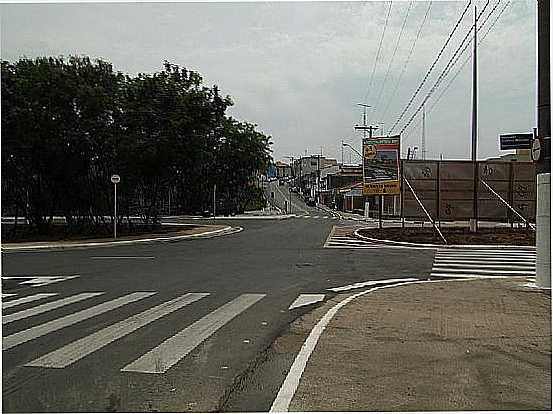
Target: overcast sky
{"points": [[297, 70]]}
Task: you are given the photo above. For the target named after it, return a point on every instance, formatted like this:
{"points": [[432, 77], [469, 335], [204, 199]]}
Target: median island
{"points": [[455, 235]]}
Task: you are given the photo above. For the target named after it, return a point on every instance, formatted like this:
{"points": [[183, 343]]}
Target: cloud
{"points": [[299, 69]]}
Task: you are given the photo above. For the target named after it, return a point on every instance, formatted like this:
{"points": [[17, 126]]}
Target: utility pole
{"points": [[423, 143], [473, 224], [342, 153], [369, 128], [543, 164]]}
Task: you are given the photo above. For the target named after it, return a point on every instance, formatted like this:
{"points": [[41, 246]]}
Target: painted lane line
{"points": [[490, 260], [7, 295], [485, 265], [464, 276], [122, 257], [80, 348], [26, 299], [172, 350], [37, 331], [27, 313], [505, 253], [306, 299], [488, 256], [482, 271], [371, 283]]}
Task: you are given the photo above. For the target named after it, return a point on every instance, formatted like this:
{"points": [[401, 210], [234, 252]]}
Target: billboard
{"points": [[381, 165]]}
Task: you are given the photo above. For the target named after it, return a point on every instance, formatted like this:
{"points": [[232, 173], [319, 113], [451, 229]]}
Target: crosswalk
{"points": [[341, 237], [485, 262], [157, 360]]}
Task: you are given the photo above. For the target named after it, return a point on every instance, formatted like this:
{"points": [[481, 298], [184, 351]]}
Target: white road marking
{"points": [[469, 276], [292, 380], [172, 350], [7, 295], [306, 299], [76, 350], [479, 270], [371, 283], [26, 299], [122, 257], [37, 331], [48, 306], [40, 280], [493, 260], [486, 265]]}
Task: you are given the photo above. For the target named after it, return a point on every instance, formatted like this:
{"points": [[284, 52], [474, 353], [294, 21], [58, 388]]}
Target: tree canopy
{"points": [[69, 124]]}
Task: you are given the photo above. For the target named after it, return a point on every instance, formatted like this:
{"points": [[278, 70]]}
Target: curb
{"points": [[279, 217], [112, 243], [438, 246]]}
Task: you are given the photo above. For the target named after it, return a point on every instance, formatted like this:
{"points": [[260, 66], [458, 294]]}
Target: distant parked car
{"points": [[281, 181], [310, 202]]}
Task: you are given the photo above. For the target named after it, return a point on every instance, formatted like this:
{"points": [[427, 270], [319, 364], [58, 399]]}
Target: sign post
{"points": [[115, 180]]}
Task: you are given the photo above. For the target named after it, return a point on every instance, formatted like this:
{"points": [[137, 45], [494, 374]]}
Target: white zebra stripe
{"points": [[27, 313], [77, 350], [172, 350], [37, 331]]}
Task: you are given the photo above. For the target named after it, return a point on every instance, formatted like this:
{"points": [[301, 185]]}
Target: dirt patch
{"points": [[60, 232], [455, 235]]}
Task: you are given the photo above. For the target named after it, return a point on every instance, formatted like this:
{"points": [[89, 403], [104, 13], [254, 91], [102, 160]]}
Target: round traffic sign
{"points": [[536, 149], [115, 178]]}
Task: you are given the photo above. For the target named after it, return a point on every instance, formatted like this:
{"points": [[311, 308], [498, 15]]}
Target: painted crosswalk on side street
{"points": [[165, 354], [485, 262]]}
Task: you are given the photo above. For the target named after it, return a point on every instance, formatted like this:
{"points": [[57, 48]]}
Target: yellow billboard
{"points": [[381, 165]]}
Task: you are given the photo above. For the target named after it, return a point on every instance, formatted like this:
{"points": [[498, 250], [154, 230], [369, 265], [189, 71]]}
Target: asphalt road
{"points": [[161, 350]]}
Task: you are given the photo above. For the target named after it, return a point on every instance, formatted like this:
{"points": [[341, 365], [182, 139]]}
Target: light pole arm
{"points": [[345, 144]]}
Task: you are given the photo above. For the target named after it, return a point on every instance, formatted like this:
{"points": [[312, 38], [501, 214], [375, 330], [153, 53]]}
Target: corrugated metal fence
{"points": [[446, 189]]}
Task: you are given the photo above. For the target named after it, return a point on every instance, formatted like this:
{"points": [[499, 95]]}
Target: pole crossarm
{"points": [[507, 204], [424, 209]]}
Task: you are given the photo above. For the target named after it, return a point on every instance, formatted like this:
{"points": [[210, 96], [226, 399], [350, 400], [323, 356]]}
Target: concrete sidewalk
{"points": [[455, 345]]}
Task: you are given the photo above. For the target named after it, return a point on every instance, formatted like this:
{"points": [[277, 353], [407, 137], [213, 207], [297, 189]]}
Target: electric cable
{"points": [[406, 63], [369, 85], [435, 103], [377, 102], [444, 72], [432, 66]]}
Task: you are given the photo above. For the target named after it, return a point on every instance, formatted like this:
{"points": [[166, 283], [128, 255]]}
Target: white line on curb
{"points": [[8, 249], [292, 380]]}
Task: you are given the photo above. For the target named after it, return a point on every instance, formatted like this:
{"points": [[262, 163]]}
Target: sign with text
{"points": [[381, 165], [515, 141]]}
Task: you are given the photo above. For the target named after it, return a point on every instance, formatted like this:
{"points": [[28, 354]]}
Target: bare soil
{"points": [[455, 235], [60, 232]]}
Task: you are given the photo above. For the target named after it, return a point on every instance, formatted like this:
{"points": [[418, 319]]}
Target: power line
{"points": [[406, 63], [393, 54], [431, 67], [468, 57], [444, 72], [435, 103], [369, 86]]}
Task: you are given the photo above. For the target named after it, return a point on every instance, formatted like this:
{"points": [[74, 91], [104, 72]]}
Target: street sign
{"points": [[536, 149], [381, 165], [115, 179], [515, 141]]}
